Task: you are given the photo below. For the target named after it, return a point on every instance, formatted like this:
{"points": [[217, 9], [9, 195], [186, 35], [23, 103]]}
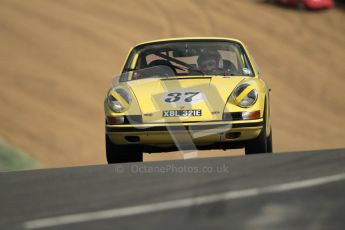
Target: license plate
{"points": [[182, 113]]}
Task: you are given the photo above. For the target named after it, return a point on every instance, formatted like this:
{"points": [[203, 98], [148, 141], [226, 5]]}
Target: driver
{"points": [[210, 62]]}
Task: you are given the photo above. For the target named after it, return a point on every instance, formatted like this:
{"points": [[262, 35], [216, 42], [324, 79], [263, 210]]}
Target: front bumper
{"points": [[201, 133]]}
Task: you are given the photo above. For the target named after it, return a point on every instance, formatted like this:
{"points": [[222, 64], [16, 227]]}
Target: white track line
{"points": [[181, 203]]}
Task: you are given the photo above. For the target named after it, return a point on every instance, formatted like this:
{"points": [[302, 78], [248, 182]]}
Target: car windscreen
{"points": [[193, 58]]}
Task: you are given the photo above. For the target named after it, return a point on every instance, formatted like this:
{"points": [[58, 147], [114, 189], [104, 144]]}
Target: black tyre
{"points": [[122, 153], [258, 145], [269, 143], [261, 144]]}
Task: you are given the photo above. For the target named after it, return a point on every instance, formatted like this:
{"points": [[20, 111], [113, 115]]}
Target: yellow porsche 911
{"points": [[187, 94]]}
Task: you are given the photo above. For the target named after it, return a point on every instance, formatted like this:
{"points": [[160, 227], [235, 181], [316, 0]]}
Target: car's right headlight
{"points": [[119, 99], [245, 95]]}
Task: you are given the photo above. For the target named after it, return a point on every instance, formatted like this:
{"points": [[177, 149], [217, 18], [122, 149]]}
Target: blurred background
{"points": [[57, 60]]}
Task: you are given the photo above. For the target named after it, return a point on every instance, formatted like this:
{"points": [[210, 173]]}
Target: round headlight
{"points": [[245, 95], [119, 100]]}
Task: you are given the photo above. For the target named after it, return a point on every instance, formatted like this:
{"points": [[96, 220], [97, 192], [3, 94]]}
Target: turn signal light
{"points": [[115, 120], [251, 115]]}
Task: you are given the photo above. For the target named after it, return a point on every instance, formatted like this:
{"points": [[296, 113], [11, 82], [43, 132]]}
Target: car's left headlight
{"points": [[245, 95], [119, 99]]}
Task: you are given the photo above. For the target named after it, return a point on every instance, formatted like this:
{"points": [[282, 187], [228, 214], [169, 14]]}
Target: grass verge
{"points": [[12, 159]]}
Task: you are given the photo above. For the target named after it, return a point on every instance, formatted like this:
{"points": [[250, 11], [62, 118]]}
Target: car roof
{"points": [[189, 39]]}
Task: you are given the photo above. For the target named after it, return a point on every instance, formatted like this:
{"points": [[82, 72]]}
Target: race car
{"points": [[187, 94], [306, 4]]}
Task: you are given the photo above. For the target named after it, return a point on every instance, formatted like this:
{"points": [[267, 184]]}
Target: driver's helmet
{"points": [[210, 61]]}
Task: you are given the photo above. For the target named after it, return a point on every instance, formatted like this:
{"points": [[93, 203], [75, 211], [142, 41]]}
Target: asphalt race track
{"points": [[303, 190]]}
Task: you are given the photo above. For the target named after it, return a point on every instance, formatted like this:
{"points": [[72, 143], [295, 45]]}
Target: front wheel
{"points": [[269, 142], [258, 145], [261, 144], [122, 153]]}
